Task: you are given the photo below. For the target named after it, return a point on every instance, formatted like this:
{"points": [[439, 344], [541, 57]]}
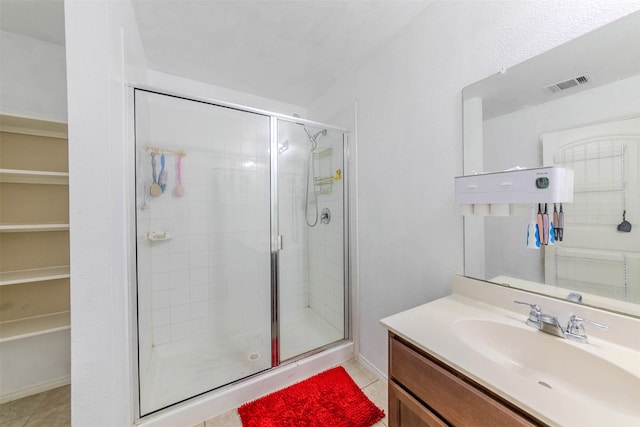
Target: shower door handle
{"points": [[280, 244]]}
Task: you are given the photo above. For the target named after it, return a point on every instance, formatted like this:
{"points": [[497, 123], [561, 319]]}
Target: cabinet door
{"points": [[405, 411], [447, 392]]}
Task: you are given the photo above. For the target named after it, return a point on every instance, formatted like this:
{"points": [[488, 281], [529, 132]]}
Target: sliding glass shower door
{"points": [[203, 247]]}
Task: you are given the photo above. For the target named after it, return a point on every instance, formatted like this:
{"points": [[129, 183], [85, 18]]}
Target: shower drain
{"points": [[254, 356]]}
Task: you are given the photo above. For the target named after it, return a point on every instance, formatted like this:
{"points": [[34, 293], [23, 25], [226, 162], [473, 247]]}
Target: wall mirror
{"points": [[576, 105]]}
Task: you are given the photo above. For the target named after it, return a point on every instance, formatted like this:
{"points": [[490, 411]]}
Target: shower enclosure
{"points": [[241, 240]]}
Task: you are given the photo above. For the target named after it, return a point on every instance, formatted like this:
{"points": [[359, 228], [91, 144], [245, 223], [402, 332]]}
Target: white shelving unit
{"points": [[34, 270]]}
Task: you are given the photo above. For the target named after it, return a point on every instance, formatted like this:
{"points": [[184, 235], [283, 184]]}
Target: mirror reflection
{"points": [[577, 105]]}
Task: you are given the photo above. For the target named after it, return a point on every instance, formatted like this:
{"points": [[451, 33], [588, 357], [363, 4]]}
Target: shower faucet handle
{"points": [[325, 216]]}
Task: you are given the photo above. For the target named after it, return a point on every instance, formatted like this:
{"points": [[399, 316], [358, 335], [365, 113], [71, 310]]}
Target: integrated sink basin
{"points": [[478, 332], [551, 364]]}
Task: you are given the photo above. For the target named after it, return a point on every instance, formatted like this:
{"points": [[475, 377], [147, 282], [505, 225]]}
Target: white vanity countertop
{"points": [[437, 328]]}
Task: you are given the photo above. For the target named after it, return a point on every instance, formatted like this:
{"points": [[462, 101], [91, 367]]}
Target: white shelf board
{"points": [[19, 176], [34, 275], [22, 228], [33, 126], [32, 326]]}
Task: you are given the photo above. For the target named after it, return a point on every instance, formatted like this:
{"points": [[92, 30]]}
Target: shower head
{"points": [[314, 138], [322, 132]]}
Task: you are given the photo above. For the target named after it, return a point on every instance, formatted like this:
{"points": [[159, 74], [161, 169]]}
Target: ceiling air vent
{"points": [[567, 84]]}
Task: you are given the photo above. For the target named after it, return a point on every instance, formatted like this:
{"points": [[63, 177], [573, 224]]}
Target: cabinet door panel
{"points": [[451, 397], [405, 411]]}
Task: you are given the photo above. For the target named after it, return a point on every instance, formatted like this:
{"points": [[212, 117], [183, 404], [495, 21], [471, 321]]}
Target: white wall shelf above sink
{"points": [[18, 176]]}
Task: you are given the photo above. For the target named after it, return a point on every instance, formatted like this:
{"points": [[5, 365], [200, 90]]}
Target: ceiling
{"points": [[286, 50], [289, 51], [605, 55]]}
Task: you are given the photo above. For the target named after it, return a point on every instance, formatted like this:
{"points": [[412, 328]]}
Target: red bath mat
{"points": [[330, 398]]}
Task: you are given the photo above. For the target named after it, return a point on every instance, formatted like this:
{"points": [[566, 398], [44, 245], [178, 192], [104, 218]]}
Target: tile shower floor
{"points": [[183, 369], [374, 387], [51, 409], [305, 330]]}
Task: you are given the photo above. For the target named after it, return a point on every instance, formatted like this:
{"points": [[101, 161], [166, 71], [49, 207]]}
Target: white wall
{"points": [[409, 131], [33, 81], [102, 49]]}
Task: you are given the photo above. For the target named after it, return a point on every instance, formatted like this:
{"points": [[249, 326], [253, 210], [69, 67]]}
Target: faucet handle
{"points": [[576, 324], [575, 328], [535, 307], [534, 314]]}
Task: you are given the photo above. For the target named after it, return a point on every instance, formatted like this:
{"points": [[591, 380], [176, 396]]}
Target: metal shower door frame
{"points": [[274, 118]]}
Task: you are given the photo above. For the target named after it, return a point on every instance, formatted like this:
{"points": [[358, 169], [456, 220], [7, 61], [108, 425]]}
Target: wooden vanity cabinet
{"points": [[424, 391]]}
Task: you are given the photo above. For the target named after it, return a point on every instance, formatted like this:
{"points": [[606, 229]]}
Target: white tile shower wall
{"points": [[294, 258], [327, 249], [212, 277], [207, 278]]}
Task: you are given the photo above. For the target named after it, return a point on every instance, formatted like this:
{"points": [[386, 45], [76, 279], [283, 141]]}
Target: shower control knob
{"points": [[325, 216]]}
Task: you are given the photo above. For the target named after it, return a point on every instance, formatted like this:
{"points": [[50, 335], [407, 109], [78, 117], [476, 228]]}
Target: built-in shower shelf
{"points": [[31, 326], [18, 176], [34, 275]]}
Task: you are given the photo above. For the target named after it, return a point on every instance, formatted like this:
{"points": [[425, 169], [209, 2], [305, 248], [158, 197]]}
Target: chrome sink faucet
{"points": [[550, 324]]}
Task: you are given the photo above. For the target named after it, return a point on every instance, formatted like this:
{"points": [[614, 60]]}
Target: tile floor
{"points": [[374, 387], [51, 409]]}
